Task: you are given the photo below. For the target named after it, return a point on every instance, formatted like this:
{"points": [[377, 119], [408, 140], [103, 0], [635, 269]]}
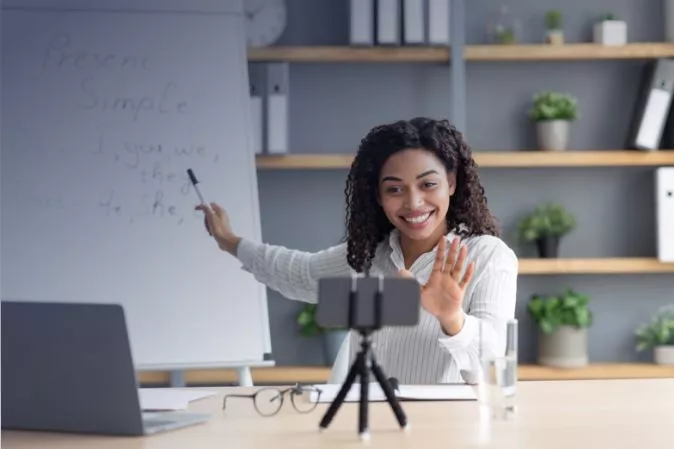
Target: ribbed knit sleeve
{"points": [[492, 304], [292, 273]]}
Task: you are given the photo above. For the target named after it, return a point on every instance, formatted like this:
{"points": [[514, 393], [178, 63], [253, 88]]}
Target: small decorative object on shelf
{"points": [[658, 335], [266, 20], [555, 30], [562, 322], [331, 338], [545, 226], [502, 28], [553, 112], [610, 31]]}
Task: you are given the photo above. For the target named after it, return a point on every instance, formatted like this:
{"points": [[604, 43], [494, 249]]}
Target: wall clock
{"points": [[265, 21]]}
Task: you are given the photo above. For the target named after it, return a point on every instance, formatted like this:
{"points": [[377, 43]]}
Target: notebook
{"points": [[440, 392]]}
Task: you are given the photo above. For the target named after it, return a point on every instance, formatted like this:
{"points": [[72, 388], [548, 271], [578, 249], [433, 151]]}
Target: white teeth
{"points": [[419, 219]]}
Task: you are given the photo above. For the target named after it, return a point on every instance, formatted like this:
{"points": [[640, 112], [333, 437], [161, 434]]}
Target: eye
{"points": [[429, 184], [392, 189]]}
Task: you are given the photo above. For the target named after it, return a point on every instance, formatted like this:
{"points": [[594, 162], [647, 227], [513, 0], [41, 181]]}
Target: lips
{"points": [[419, 218]]}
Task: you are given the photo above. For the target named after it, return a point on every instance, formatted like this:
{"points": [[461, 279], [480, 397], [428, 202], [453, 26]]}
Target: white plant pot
{"points": [[553, 135], [555, 37], [610, 32], [664, 355]]}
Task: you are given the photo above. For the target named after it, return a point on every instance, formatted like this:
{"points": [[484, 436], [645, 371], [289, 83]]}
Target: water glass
{"points": [[497, 385]]}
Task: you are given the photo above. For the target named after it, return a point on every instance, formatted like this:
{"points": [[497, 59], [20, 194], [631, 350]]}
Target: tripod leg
{"points": [[388, 391], [354, 371], [363, 430]]}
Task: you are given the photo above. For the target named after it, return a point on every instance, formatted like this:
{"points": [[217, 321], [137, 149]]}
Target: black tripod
{"points": [[360, 369]]}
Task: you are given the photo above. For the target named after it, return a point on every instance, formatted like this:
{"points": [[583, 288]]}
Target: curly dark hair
{"points": [[366, 223]]}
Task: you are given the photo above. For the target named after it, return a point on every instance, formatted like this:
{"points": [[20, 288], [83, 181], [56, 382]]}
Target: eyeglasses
{"points": [[269, 400]]}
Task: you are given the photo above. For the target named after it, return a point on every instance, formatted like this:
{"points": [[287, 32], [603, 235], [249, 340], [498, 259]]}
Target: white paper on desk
{"points": [[169, 398], [441, 392]]}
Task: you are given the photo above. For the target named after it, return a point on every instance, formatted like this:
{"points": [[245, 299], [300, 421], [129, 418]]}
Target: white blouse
{"points": [[422, 354]]}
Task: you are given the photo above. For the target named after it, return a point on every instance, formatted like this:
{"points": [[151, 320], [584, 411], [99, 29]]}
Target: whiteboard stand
{"points": [[243, 370], [177, 379], [245, 377], [103, 113]]}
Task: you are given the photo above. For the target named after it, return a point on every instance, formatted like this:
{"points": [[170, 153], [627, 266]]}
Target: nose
{"points": [[414, 199]]}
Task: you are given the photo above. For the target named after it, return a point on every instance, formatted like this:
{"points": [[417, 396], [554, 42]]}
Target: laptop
{"points": [[67, 367]]}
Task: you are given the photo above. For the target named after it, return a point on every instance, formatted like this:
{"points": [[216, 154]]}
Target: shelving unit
{"points": [[456, 58], [425, 54], [491, 159], [287, 375]]}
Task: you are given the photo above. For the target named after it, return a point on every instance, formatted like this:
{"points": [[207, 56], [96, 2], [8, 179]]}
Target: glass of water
{"points": [[497, 382], [497, 385]]}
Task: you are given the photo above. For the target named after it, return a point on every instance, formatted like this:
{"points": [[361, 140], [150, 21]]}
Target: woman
{"points": [[415, 207]]}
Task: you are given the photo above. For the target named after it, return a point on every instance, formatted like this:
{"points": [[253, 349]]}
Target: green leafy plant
{"points": [[307, 321], [505, 36], [609, 16], [553, 106], [567, 309], [659, 332], [546, 220], [553, 19]]}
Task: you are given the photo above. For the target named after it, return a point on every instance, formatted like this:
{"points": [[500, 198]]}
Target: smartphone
{"points": [[400, 302]]}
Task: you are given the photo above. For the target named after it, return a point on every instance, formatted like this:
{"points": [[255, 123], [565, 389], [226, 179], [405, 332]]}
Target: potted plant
{"points": [[332, 338], [545, 226], [553, 24], [610, 31], [562, 322], [553, 112], [658, 335]]}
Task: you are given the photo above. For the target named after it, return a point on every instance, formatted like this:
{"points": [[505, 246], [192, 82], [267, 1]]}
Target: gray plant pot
{"points": [[553, 135], [564, 348], [332, 342]]}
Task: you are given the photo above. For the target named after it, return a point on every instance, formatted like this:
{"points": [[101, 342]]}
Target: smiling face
{"points": [[414, 192]]}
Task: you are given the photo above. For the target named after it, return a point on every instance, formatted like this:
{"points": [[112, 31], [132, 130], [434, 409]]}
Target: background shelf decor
{"points": [[522, 52]]}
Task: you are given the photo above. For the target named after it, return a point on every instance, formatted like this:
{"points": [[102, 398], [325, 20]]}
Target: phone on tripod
{"points": [[365, 304], [399, 302]]}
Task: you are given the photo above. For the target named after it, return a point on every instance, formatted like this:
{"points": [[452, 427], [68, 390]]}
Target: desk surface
{"points": [[551, 414]]}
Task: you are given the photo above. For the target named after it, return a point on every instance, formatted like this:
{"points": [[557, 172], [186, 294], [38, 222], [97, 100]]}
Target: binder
{"points": [[257, 88], [664, 206], [361, 25], [388, 22], [277, 107], [438, 22], [653, 105], [414, 21]]}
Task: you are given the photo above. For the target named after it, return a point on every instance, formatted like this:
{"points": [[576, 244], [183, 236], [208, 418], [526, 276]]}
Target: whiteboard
{"points": [[103, 112]]}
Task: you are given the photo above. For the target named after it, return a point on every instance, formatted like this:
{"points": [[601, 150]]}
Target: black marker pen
{"points": [[194, 181]]}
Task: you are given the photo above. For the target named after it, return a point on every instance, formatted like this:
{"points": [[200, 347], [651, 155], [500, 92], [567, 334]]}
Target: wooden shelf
{"points": [[429, 54], [489, 159], [594, 266], [567, 52], [319, 374]]}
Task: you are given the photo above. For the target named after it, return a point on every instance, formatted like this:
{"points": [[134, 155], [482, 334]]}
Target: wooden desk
{"points": [[612, 414]]}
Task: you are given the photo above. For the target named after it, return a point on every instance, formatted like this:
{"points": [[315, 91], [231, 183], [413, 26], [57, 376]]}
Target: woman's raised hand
{"points": [[217, 224], [443, 294]]}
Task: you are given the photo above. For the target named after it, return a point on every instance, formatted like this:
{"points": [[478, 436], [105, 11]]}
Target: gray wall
{"points": [[333, 105]]}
